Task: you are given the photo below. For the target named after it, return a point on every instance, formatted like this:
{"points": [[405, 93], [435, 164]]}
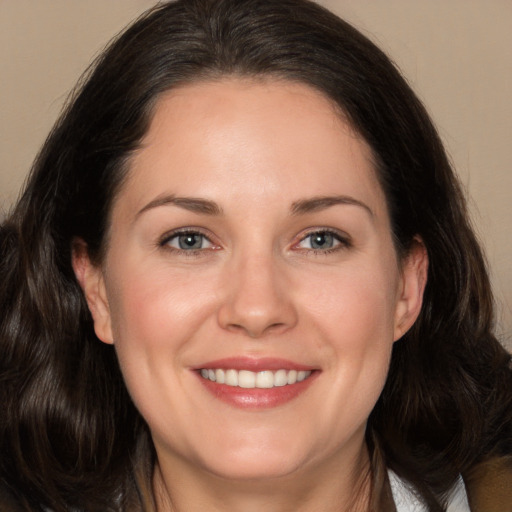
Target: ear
{"points": [[91, 280], [414, 270]]}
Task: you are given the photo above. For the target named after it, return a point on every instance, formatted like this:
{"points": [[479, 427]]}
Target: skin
{"points": [[256, 288]]}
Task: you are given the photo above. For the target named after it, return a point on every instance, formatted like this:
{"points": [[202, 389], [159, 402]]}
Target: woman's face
{"points": [[251, 243]]}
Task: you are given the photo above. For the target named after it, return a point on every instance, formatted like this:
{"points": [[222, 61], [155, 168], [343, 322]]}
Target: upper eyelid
{"points": [[169, 235], [341, 235]]}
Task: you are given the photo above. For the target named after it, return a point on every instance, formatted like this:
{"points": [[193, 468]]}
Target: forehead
{"points": [[251, 137]]}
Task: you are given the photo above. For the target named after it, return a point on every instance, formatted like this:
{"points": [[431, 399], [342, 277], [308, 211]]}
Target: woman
{"points": [[242, 277]]}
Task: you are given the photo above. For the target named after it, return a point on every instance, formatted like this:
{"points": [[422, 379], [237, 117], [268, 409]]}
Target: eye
{"points": [[323, 241], [187, 241]]}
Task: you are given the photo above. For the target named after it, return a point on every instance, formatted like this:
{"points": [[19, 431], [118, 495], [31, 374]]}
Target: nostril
{"points": [[256, 331], [276, 326], [256, 307]]}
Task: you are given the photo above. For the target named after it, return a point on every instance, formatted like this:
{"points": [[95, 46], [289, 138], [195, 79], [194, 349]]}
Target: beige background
{"points": [[457, 54]]}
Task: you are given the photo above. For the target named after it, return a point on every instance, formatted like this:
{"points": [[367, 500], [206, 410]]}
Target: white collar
{"points": [[406, 500]]}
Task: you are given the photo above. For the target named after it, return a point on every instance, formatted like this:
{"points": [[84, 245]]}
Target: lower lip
{"points": [[257, 398]]}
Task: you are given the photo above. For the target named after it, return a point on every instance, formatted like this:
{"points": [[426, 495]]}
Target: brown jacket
{"points": [[489, 486]]}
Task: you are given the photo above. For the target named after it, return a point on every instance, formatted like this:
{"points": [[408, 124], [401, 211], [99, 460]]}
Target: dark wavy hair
{"points": [[69, 433]]}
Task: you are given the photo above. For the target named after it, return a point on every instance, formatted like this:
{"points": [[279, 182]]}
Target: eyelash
{"points": [[165, 239], [343, 240]]}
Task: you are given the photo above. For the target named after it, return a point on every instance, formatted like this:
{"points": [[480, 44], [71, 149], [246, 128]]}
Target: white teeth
{"points": [[246, 379], [280, 378], [249, 380], [292, 376], [231, 377], [264, 379], [301, 376]]}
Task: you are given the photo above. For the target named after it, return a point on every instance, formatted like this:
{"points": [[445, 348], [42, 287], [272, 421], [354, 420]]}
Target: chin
{"points": [[254, 470], [259, 463]]}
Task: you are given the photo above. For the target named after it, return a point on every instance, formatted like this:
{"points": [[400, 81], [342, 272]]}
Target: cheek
{"points": [[155, 313], [355, 318], [151, 305], [353, 303]]}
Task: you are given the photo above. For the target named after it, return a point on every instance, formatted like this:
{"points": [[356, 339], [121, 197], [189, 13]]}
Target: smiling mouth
{"points": [[247, 379]]}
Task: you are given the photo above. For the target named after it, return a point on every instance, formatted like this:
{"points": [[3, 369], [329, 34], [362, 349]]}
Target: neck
{"points": [[336, 485]]}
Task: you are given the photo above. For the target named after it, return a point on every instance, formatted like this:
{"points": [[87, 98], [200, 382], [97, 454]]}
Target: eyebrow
{"points": [[207, 207], [193, 204], [314, 204]]}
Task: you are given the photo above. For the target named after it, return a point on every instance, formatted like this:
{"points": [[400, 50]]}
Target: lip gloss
{"points": [[254, 397]]}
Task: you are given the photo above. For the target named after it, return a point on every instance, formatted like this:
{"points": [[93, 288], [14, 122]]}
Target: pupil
{"points": [[321, 240], [190, 242]]}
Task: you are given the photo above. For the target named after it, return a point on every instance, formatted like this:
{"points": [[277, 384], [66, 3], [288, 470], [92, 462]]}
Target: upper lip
{"points": [[254, 364]]}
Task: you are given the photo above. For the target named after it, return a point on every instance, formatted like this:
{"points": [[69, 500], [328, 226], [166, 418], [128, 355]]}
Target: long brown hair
{"points": [[69, 434]]}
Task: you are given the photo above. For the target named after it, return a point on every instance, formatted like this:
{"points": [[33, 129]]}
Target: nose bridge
{"points": [[258, 300]]}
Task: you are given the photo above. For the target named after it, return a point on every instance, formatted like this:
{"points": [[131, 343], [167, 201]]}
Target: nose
{"points": [[258, 299]]}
